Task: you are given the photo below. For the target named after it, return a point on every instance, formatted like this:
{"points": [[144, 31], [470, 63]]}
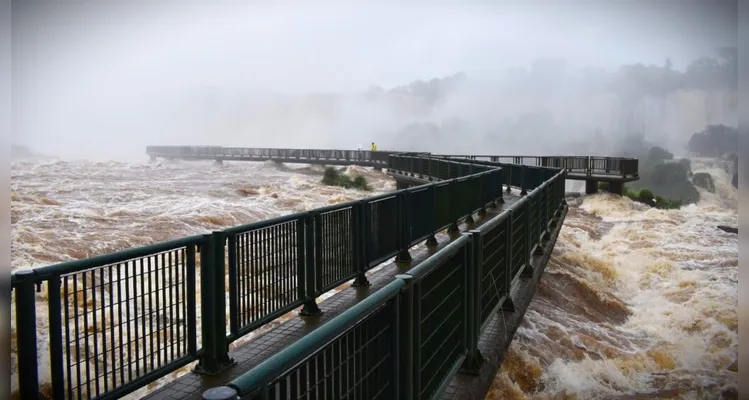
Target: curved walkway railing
{"points": [[576, 166], [409, 338], [583, 165], [120, 321]]}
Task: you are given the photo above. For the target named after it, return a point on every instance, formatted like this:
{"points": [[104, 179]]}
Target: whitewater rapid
{"points": [[68, 210], [635, 303]]}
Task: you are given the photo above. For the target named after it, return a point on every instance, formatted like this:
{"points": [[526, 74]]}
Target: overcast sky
{"points": [[337, 47], [76, 61]]}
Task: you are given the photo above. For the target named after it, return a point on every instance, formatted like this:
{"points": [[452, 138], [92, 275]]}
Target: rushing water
{"points": [[62, 210], [636, 302]]}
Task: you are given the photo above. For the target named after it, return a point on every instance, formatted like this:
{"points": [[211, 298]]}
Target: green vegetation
{"points": [[668, 179], [645, 196], [333, 177], [664, 181]]}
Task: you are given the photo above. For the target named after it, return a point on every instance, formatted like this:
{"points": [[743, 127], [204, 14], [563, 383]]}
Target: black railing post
{"points": [[542, 221], [403, 199], [432, 240], [28, 372], [453, 194], [474, 359], [222, 344], [310, 307], [523, 180], [360, 236], [192, 305], [528, 244], [508, 178], [55, 338], [406, 343], [208, 362], [482, 184], [213, 305], [508, 304], [233, 286]]}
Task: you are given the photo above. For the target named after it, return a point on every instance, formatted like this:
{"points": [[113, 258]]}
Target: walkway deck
{"points": [[583, 168], [251, 353]]}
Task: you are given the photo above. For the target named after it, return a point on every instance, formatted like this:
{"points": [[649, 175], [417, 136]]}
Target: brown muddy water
{"points": [[635, 303]]}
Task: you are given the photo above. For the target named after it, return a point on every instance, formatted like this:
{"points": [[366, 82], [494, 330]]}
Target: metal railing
{"points": [[408, 339], [116, 322], [120, 321], [574, 165], [584, 165]]}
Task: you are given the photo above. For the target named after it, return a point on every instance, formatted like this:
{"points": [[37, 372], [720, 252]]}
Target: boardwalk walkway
{"points": [[248, 355]]}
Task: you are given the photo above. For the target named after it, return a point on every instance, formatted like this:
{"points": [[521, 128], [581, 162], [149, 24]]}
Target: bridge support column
{"points": [[616, 188], [591, 187], [153, 159], [378, 169], [218, 162]]}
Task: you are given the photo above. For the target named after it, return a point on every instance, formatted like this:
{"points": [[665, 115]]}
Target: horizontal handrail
{"points": [[589, 165], [268, 370]]}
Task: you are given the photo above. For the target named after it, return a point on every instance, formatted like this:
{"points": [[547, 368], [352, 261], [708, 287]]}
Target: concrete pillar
{"points": [[379, 169], [616, 188], [153, 158], [591, 187], [219, 162]]}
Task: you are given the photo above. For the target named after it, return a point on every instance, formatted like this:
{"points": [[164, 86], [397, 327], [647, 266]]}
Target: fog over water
{"points": [[636, 302]]}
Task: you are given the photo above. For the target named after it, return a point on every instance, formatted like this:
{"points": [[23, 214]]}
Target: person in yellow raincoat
{"points": [[374, 147]]}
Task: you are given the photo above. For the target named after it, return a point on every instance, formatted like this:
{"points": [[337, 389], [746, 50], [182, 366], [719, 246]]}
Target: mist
{"points": [[103, 81]]}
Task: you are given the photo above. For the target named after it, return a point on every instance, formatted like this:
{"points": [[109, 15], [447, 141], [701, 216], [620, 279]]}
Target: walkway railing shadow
{"points": [[120, 321]]}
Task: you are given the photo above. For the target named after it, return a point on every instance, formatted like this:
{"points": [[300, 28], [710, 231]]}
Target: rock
{"points": [[729, 229], [704, 180]]}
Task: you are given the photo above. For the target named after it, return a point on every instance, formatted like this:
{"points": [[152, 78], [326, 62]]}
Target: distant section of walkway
{"points": [[592, 169]]}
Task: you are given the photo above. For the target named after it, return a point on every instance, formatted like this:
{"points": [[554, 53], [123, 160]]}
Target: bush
{"points": [[361, 183], [646, 196], [332, 177], [603, 186], [666, 204]]}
